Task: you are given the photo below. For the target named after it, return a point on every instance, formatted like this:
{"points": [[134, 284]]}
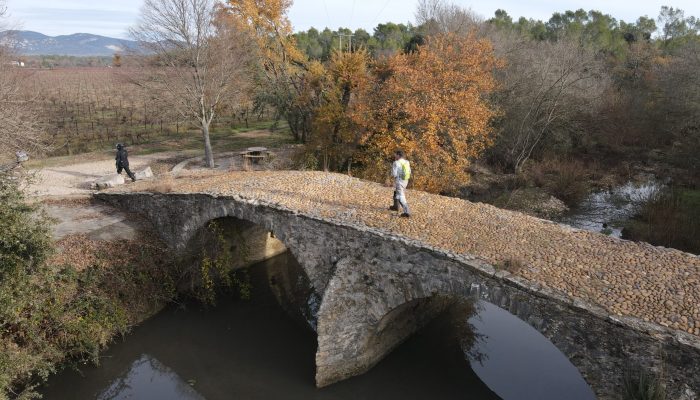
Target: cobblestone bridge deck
{"points": [[625, 278]]}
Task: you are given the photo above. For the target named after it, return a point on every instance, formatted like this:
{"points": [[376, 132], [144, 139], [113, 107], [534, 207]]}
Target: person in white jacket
{"points": [[401, 172]]}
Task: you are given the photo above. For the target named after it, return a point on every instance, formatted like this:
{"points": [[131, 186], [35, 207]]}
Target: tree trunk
{"points": [[208, 155]]}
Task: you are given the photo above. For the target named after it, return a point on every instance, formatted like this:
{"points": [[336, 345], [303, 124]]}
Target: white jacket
{"points": [[397, 170]]}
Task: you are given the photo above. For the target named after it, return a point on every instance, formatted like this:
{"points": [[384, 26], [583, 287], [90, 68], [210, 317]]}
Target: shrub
{"points": [[57, 307], [164, 185], [640, 385], [25, 244], [565, 180], [214, 272], [670, 218], [305, 159], [512, 265]]}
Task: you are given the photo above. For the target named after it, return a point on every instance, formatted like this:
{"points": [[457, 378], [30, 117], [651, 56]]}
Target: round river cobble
{"points": [[626, 278]]}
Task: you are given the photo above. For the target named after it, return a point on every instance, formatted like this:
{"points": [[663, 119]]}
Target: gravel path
{"points": [[626, 278], [75, 179]]}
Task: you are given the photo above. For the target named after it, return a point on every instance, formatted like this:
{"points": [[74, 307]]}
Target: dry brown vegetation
{"points": [[164, 184], [20, 129], [83, 109], [512, 265]]}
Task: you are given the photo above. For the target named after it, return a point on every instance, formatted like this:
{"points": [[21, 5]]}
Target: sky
{"points": [[113, 17]]}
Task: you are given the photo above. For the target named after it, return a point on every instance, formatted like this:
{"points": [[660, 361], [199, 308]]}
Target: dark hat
{"points": [[120, 146]]}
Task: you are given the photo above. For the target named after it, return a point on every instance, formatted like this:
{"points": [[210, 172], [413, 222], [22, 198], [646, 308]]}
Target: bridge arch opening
{"points": [[237, 244], [364, 274], [519, 361], [243, 242], [376, 306], [401, 322], [508, 354]]}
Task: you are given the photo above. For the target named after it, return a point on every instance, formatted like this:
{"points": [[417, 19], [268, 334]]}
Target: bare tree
{"points": [[546, 88], [675, 114], [194, 61], [441, 16], [19, 127]]}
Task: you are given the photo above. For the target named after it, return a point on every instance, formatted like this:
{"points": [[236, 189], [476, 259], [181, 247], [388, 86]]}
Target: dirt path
{"points": [[65, 190], [64, 193], [75, 179]]}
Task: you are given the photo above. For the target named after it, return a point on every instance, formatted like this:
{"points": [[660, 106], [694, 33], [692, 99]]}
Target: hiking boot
{"points": [[405, 215], [394, 208]]}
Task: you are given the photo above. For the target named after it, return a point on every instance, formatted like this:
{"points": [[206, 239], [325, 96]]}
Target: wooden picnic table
{"points": [[254, 154], [257, 149]]}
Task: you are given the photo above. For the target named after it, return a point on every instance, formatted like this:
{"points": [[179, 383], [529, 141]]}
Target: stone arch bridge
{"points": [[377, 284]]}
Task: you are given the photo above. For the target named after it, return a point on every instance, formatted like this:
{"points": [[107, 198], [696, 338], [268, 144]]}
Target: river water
{"points": [[255, 350], [613, 207]]}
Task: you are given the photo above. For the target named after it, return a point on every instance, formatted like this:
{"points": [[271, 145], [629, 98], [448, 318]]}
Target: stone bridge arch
{"points": [[369, 282], [400, 286], [371, 306], [177, 218]]}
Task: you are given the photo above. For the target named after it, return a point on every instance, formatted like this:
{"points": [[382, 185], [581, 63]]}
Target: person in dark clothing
{"points": [[122, 159]]}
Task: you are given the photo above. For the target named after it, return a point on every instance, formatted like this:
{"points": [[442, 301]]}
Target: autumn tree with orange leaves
{"points": [[336, 133], [352, 114], [432, 104], [287, 77]]}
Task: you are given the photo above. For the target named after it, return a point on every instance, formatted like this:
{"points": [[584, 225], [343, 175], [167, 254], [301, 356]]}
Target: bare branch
{"points": [[441, 16], [544, 86], [20, 129], [190, 59]]}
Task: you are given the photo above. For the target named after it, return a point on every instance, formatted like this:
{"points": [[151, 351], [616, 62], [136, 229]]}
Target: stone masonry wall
{"points": [[363, 275]]}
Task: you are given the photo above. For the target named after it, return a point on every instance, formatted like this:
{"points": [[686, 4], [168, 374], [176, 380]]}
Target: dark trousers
{"points": [[128, 172]]}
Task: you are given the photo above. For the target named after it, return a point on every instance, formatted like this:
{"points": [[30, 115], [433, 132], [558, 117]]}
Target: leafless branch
{"points": [[19, 127], [192, 61], [441, 16]]}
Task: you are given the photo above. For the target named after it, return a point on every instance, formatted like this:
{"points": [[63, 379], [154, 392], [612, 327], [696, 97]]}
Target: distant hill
{"points": [[78, 44]]}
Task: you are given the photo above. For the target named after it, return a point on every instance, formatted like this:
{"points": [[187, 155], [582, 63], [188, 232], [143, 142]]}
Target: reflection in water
{"points": [[520, 363], [612, 207], [147, 378], [255, 350]]}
